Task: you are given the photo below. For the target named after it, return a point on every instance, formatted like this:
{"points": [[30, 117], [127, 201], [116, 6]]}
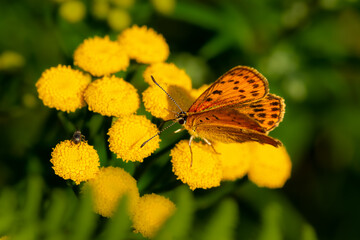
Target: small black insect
{"points": [[78, 137]]}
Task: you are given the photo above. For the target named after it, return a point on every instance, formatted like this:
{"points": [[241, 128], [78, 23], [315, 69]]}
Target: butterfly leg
{"points": [[209, 143], [191, 153], [179, 130]]}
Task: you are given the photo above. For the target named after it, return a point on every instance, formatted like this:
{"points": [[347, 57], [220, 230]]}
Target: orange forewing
{"points": [[239, 85]]}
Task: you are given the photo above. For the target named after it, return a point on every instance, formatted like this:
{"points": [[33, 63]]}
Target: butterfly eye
{"points": [[181, 121]]}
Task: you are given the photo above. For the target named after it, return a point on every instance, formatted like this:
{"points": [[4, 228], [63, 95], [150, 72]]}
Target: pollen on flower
{"points": [[270, 166], [235, 159], [161, 106], [101, 56], [78, 162], [112, 96], [151, 213], [205, 171], [108, 187], [128, 133], [167, 74], [144, 44], [62, 88]]}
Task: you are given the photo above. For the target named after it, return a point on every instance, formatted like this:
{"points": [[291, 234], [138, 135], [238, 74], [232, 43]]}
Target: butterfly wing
{"points": [[227, 125], [240, 84], [268, 111]]}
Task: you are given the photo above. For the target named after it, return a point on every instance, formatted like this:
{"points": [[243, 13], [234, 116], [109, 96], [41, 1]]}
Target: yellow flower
{"points": [[144, 45], [165, 7], [151, 212], [100, 9], [112, 96], [108, 187], [270, 166], [161, 106], [72, 11], [128, 133], [167, 74], [118, 19], [101, 56], [235, 159], [10, 60], [78, 162], [62, 88], [205, 171]]}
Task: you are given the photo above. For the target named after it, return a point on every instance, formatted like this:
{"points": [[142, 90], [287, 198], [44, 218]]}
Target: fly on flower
{"points": [[78, 137], [237, 107]]}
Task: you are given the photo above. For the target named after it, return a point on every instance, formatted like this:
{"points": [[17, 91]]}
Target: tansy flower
{"points": [[167, 74], [205, 171], [118, 19], [62, 88], [78, 162], [235, 159], [128, 133], [161, 106], [108, 187], [101, 56], [270, 166], [72, 11], [165, 7], [112, 96], [144, 45], [151, 212]]}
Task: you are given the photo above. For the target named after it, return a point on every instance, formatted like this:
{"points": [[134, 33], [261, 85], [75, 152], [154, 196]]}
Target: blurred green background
{"points": [[308, 50]]}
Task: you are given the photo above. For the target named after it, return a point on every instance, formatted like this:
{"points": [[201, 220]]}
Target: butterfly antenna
{"points": [[157, 134], [167, 94]]}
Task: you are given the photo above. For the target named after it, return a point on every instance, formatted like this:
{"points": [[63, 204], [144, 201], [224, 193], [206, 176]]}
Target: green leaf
{"points": [[223, 222]]}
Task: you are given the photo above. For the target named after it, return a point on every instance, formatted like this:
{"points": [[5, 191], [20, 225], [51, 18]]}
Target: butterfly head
{"points": [[181, 117]]}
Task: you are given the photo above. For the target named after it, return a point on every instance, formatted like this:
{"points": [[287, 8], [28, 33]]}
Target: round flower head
{"points": [[270, 166], [101, 56], [108, 187], [167, 74], [72, 11], [235, 159], [144, 45], [151, 212], [78, 162], [205, 170], [161, 106], [128, 133], [112, 96], [62, 88]]}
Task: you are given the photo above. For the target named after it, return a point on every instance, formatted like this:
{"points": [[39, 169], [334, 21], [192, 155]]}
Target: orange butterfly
{"points": [[237, 107]]}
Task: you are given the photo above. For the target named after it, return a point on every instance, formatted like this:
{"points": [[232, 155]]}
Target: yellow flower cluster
{"points": [[266, 166], [199, 165], [148, 213], [78, 162]]}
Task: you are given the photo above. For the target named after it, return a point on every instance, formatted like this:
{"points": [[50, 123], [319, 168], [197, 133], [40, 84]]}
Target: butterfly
{"points": [[237, 107]]}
